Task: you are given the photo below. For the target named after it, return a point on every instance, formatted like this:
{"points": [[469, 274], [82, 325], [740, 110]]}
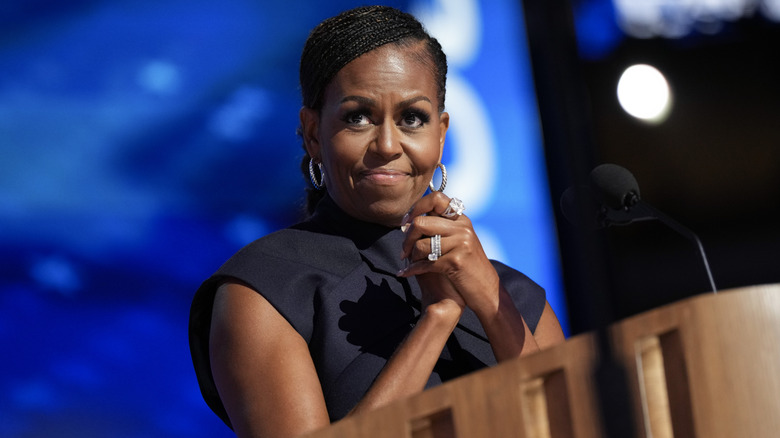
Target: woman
{"points": [[382, 292]]}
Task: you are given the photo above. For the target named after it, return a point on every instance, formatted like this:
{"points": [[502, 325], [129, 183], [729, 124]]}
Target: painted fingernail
{"points": [[405, 220]]}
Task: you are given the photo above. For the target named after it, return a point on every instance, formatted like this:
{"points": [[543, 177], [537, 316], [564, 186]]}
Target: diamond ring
{"points": [[435, 248], [455, 208]]}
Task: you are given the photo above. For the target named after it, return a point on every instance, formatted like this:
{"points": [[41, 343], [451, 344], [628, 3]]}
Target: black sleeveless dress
{"points": [[333, 278]]}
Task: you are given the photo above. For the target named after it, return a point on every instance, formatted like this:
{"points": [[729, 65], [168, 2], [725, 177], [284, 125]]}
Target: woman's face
{"points": [[379, 135]]}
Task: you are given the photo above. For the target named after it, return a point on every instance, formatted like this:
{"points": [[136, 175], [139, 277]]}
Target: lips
{"points": [[384, 176]]}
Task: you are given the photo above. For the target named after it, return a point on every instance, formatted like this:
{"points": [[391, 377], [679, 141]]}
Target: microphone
{"points": [[613, 198], [616, 186]]}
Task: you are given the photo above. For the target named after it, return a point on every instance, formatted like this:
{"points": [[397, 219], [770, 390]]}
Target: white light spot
{"points": [[456, 24], [644, 93]]}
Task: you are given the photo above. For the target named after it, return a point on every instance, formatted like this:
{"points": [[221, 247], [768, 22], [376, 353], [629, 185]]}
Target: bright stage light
{"points": [[644, 93]]}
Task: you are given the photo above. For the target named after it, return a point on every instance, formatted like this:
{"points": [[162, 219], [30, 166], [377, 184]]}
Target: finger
{"points": [[417, 268], [424, 249], [422, 228], [432, 203], [426, 226], [454, 209], [420, 261]]}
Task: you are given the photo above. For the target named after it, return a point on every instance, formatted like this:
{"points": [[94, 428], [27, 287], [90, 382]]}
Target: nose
{"points": [[387, 143]]}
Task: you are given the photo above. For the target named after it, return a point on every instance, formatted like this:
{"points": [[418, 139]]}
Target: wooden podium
{"points": [[708, 366]]}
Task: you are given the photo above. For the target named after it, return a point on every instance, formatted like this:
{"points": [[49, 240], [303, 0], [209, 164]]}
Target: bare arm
{"points": [[262, 368], [510, 336], [267, 380], [548, 330], [508, 333], [407, 371]]}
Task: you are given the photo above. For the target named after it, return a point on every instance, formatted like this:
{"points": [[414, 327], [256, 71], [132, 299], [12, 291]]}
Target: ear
{"points": [[444, 124], [310, 123]]}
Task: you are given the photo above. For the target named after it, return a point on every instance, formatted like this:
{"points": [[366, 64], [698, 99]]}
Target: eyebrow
{"points": [[370, 102]]}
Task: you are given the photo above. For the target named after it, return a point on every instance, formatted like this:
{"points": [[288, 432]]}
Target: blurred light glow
{"points": [[236, 119], [771, 9], [159, 77], [676, 19], [56, 273], [35, 394], [471, 170], [596, 27], [244, 229], [457, 24], [644, 93]]}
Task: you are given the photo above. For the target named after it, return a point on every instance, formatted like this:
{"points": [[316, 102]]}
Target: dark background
{"points": [[713, 165]]}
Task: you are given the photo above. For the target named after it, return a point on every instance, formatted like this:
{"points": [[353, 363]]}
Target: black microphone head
{"points": [[615, 185]]}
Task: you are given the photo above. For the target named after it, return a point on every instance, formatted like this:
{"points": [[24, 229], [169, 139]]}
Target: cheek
{"points": [[428, 153], [342, 152]]}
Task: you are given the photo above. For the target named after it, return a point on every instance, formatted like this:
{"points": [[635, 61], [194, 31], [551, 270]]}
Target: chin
{"points": [[385, 205], [387, 215], [388, 212]]}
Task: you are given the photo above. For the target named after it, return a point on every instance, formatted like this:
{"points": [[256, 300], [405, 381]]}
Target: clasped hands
{"points": [[462, 273]]}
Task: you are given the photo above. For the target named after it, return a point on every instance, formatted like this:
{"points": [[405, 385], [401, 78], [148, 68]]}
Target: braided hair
{"points": [[341, 39]]}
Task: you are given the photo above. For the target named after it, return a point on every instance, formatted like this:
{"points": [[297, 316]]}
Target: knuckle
{"points": [[457, 262], [466, 243], [439, 196]]}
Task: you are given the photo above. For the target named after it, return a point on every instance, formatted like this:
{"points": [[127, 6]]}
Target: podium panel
{"points": [[708, 366]]}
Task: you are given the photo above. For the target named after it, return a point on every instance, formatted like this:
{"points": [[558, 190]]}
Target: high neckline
{"points": [[334, 218], [378, 243]]}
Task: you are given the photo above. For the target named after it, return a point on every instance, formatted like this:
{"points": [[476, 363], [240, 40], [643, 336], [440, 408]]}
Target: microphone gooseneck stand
{"points": [[622, 205]]}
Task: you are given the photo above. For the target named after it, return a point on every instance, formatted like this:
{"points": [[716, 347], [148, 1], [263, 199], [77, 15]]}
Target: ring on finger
{"points": [[455, 208], [435, 248]]}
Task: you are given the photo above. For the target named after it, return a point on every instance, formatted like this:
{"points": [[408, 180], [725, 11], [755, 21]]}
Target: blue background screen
{"points": [[143, 142]]}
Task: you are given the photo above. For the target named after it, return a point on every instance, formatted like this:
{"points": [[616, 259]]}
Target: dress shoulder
{"points": [[287, 268], [527, 295]]}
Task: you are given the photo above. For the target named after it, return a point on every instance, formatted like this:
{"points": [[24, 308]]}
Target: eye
{"points": [[358, 118], [415, 119]]}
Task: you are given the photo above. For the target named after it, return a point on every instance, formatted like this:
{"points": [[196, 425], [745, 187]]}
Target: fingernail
{"points": [[404, 224]]}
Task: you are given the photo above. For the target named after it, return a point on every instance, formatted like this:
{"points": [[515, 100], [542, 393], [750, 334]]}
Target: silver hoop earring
{"points": [[317, 185], [443, 179]]}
